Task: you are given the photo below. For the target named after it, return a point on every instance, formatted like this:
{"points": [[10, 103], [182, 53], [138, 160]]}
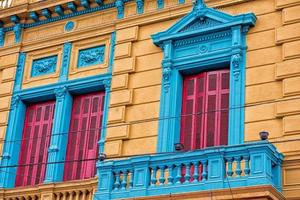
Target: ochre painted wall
{"points": [[272, 75]]}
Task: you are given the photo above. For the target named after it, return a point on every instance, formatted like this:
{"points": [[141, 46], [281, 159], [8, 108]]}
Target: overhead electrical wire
{"points": [[151, 120]]}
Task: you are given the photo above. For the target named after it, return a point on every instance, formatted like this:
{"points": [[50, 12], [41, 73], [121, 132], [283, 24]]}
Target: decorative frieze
{"points": [[44, 66], [91, 56], [207, 37]]}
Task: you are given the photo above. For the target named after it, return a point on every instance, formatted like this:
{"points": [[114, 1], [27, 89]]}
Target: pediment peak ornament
{"points": [[203, 20]]}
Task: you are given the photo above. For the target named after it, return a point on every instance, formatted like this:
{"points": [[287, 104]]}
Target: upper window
{"points": [[35, 142], [204, 40], [85, 129], [205, 103]]}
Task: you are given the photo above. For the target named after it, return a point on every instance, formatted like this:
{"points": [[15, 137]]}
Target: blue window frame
{"points": [[205, 39], [62, 93]]}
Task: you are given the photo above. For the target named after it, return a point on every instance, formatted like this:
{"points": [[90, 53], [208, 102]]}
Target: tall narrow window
{"points": [[205, 103], [35, 143], [83, 136]]}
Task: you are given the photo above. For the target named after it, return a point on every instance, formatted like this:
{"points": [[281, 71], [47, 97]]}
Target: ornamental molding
{"points": [[60, 92], [91, 56], [43, 66], [15, 101], [203, 38], [235, 63]]}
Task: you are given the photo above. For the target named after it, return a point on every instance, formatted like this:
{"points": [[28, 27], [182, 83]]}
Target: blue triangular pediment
{"points": [[202, 20]]}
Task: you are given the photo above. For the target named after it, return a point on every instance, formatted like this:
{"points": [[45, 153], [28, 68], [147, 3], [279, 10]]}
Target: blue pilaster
{"points": [[13, 131], [64, 70], [59, 137], [237, 88], [166, 101], [12, 143], [101, 142]]}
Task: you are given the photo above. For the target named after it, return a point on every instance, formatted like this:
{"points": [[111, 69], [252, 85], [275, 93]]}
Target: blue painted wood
{"points": [[91, 56], [43, 66], [205, 39], [265, 163]]}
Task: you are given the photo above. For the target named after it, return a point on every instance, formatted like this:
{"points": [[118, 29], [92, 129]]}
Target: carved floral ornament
{"points": [[44, 66], [60, 92], [91, 56]]}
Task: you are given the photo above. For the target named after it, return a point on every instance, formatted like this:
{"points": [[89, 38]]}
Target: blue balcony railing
{"points": [[249, 164]]}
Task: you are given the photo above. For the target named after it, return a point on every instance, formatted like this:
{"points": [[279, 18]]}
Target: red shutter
{"points": [[35, 143], [83, 136], [205, 110]]}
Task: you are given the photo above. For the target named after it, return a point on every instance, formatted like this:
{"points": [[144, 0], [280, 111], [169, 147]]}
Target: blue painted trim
{"points": [[139, 6], [74, 13], [107, 85], [101, 142], [91, 56], [14, 130], [44, 66], [65, 64], [112, 52], [69, 26], [85, 3], [33, 15], [59, 10], [99, 2], [46, 13], [204, 39], [120, 8], [58, 143], [264, 163], [72, 6], [181, 1], [60, 91], [19, 72], [160, 4], [2, 36]]}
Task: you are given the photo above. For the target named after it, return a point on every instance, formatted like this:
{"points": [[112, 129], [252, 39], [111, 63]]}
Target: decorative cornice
{"points": [[74, 13], [208, 37]]}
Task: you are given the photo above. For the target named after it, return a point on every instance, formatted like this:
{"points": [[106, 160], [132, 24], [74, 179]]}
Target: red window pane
{"points": [[205, 112], [35, 143], [85, 129]]}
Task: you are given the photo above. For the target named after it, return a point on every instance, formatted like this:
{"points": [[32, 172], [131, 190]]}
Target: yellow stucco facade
{"points": [[272, 74]]}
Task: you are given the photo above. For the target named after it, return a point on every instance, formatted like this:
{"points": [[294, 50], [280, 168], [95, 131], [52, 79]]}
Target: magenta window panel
{"points": [[205, 103], [35, 143], [85, 130]]}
